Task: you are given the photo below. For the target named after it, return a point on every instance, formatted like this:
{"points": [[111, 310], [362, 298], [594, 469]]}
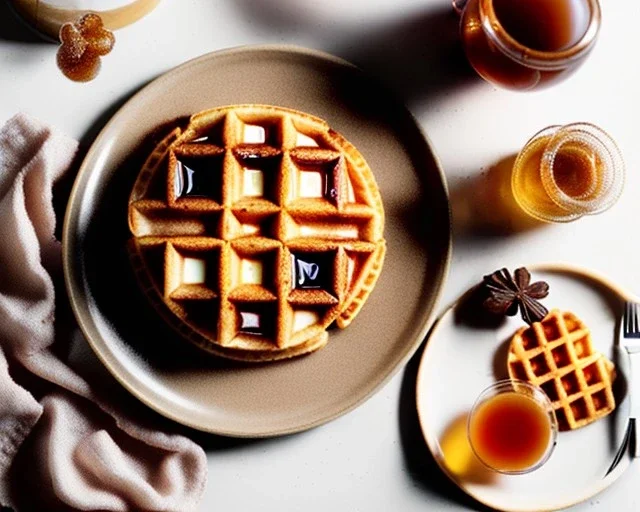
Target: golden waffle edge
{"points": [[557, 354], [254, 229]]}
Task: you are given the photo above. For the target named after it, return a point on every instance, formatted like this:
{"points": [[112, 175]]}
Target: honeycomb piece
{"points": [[83, 43]]}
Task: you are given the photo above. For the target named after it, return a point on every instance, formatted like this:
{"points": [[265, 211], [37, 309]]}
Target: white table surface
{"points": [[374, 458]]}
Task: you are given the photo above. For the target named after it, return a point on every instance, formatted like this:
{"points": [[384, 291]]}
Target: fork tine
{"points": [[631, 320], [625, 319]]}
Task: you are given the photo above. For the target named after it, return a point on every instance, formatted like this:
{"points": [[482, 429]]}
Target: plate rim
{"points": [[73, 288], [429, 438]]}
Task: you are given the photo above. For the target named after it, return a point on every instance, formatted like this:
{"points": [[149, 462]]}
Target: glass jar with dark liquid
{"points": [[527, 44]]}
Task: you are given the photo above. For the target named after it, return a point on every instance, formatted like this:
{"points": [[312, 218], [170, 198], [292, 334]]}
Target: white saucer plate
{"points": [[460, 360]]}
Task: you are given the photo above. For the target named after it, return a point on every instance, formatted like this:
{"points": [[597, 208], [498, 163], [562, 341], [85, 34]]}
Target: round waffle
{"points": [[254, 229], [557, 354]]}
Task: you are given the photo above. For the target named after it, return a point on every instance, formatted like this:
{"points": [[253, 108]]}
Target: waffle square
{"points": [[254, 229], [557, 354]]}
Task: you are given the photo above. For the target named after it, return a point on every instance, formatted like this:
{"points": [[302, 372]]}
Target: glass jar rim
{"points": [[548, 60]]}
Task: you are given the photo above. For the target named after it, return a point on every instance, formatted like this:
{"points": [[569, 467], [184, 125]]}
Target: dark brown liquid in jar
{"points": [[540, 25], [545, 25]]}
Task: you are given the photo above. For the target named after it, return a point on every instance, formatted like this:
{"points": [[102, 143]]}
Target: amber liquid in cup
{"points": [[510, 432], [512, 427], [528, 44], [565, 172]]}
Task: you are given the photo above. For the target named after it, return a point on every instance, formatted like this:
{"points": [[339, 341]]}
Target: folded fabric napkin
{"points": [[87, 447]]}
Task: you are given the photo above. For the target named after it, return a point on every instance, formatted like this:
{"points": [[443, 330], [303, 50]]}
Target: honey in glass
{"points": [[565, 172], [512, 427], [528, 44]]}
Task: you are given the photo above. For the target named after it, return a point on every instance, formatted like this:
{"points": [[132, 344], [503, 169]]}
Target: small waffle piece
{"points": [[254, 229], [557, 355]]}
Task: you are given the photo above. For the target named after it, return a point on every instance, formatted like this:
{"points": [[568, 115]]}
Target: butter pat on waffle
{"points": [[557, 355], [254, 229]]}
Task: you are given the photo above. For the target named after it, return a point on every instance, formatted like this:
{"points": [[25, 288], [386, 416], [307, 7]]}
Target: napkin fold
{"points": [[86, 449]]}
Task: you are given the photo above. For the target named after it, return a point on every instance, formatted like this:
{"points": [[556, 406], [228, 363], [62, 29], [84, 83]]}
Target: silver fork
{"points": [[630, 343]]}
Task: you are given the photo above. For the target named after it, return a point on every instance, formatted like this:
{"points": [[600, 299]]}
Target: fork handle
{"points": [[633, 388]]}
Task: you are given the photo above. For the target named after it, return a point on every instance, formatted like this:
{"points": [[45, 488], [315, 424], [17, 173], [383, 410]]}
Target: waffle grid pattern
{"points": [[557, 355], [284, 229]]}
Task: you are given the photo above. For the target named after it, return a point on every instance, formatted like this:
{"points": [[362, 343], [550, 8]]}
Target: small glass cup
{"points": [[512, 427], [566, 172], [501, 59]]}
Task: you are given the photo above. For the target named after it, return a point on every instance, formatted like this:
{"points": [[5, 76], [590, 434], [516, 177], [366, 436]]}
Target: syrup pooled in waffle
{"points": [[255, 228], [557, 355]]}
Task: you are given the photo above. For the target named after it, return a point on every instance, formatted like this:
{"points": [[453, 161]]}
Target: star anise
{"points": [[508, 294]]}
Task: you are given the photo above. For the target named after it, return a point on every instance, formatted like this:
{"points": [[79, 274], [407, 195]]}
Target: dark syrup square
{"points": [[539, 365], [561, 416], [198, 177], [570, 383], [600, 400], [579, 409], [550, 390], [591, 374], [213, 136], [258, 320], [561, 356], [551, 330], [312, 271], [529, 339], [518, 370], [203, 315]]}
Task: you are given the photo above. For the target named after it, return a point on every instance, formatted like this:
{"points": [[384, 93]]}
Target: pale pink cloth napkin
{"points": [[84, 452]]}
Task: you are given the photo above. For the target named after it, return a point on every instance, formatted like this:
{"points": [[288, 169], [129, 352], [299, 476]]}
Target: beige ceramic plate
{"points": [[199, 390], [457, 346]]}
